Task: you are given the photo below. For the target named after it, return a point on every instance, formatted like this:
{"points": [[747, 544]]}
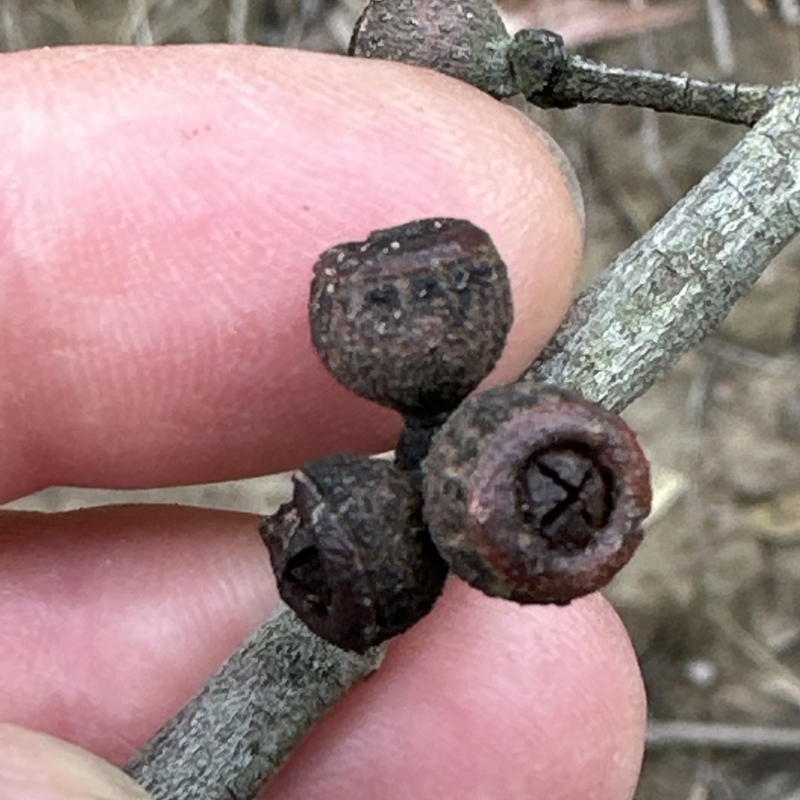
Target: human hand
{"points": [[160, 210]]}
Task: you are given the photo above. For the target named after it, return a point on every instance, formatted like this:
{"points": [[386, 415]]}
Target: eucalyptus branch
{"points": [[670, 289], [478, 49], [659, 298], [235, 733]]}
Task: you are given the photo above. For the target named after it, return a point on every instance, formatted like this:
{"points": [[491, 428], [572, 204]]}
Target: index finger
{"points": [[160, 213]]}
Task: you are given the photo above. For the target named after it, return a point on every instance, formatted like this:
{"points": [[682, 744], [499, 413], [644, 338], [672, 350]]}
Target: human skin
{"points": [[160, 213]]}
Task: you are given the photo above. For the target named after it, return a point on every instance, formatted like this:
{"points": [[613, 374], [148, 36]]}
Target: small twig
{"points": [[721, 39], [720, 735], [535, 63], [551, 78], [233, 735], [138, 29], [237, 21]]}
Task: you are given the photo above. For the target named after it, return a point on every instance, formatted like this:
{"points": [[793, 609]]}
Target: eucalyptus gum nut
{"points": [[534, 494], [351, 554], [415, 316], [466, 40]]}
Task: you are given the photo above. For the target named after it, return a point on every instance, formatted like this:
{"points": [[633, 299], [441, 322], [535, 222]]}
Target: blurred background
{"points": [[712, 597]]}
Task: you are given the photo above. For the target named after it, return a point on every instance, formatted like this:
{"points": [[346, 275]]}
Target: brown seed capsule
{"points": [[414, 317], [466, 40], [351, 553], [534, 494]]}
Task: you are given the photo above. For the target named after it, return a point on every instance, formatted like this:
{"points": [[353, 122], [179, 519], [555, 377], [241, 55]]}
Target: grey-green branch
{"points": [[235, 733], [670, 289]]}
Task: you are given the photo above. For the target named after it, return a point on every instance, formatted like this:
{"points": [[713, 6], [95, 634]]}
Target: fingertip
{"points": [[36, 766], [486, 698], [122, 613]]}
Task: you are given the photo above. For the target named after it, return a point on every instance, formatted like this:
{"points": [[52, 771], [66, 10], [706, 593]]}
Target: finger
{"points": [[485, 698], [35, 766], [160, 213], [112, 618]]}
